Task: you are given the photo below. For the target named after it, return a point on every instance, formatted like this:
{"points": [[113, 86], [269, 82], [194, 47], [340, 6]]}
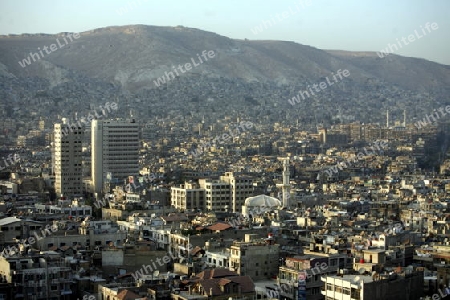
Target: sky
{"points": [[353, 25]]}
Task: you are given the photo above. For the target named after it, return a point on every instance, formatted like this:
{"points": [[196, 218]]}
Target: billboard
{"points": [[301, 286]]}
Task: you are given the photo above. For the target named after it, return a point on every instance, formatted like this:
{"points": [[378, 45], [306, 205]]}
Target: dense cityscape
{"points": [[218, 168]]}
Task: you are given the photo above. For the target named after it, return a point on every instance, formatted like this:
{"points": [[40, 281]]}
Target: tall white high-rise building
{"points": [[67, 156], [115, 151]]}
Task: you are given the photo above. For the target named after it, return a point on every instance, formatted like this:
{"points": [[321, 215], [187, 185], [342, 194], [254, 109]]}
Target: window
{"points": [[329, 287], [333, 262], [355, 293]]}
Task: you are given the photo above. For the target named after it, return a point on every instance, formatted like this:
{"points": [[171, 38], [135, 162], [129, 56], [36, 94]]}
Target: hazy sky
{"points": [[358, 25]]}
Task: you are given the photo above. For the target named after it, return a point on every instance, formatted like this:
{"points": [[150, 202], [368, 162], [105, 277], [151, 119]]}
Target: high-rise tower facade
{"points": [[67, 156], [115, 151]]}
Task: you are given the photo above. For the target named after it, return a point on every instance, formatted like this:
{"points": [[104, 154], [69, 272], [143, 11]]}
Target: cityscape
{"points": [[188, 157]]}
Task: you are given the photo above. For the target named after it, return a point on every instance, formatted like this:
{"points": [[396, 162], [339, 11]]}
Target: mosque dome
{"points": [[262, 200]]}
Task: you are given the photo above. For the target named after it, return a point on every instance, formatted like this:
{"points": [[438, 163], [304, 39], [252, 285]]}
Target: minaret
{"points": [[404, 118], [285, 186]]}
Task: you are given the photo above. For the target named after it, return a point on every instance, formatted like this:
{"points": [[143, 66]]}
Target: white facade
{"points": [[227, 194], [217, 259], [217, 195], [115, 151], [187, 196], [241, 187], [68, 159]]}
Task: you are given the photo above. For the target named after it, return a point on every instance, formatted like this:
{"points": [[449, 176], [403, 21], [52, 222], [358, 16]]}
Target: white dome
{"points": [[262, 200]]}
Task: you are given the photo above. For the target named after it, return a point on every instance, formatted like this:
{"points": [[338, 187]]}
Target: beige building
{"points": [[241, 187], [227, 194], [217, 195], [67, 153], [188, 196], [256, 258]]}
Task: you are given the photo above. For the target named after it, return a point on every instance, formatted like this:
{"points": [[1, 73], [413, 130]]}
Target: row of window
{"points": [[339, 289]]}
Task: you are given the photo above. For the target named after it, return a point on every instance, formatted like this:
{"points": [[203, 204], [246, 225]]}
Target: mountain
{"points": [[129, 59], [134, 56]]}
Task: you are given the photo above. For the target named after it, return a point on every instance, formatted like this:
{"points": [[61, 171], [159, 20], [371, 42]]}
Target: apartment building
{"points": [[188, 196], [217, 195], [312, 265], [38, 276], [67, 154], [241, 187], [257, 258], [400, 284]]}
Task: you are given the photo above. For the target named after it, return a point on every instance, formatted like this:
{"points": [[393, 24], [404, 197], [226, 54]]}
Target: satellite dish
{"points": [[361, 271]]}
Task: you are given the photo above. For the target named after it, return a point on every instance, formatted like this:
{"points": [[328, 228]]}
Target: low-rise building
{"points": [[401, 284], [257, 258]]}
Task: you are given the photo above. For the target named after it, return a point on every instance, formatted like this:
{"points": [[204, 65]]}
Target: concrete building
{"points": [[241, 187], [257, 258], [313, 265], [218, 259], [13, 228], [67, 155], [115, 152], [217, 195], [227, 194], [401, 284], [94, 238], [188, 196], [38, 276], [75, 208]]}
